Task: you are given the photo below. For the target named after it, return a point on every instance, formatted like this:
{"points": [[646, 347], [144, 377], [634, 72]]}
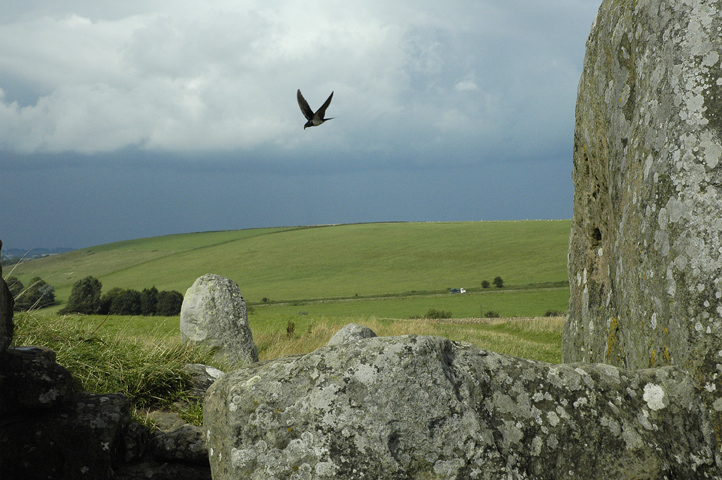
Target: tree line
{"points": [[86, 297], [38, 294]]}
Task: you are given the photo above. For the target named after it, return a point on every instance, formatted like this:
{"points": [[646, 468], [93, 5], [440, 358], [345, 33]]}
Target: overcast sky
{"points": [[123, 120]]}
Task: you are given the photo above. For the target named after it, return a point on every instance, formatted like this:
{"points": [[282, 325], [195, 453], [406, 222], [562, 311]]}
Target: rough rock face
{"points": [[351, 333], [30, 379], [415, 407], [645, 255], [203, 377], [6, 312], [79, 439], [214, 315], [50, 430]]}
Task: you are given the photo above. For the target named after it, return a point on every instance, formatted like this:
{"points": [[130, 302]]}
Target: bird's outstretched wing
{"points": [[321, 112], [305, 109]]}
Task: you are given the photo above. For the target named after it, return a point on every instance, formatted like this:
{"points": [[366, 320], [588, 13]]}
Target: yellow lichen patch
{"points": [[653, 358], [667, 356]]}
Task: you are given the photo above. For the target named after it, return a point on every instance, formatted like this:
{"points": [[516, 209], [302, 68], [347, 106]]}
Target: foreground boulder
{"points": [[416, 407], [214, 315], [645, 253], [30, 380], [80, 439]]}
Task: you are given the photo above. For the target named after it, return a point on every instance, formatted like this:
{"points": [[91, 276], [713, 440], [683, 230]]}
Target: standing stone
{"points": [[6, 312], [214, 315], [417, 407], [645, 253], [352, 332]]}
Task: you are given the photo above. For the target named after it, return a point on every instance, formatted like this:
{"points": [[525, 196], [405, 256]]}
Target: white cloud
{"points": [[222, 75], [466, 86]]}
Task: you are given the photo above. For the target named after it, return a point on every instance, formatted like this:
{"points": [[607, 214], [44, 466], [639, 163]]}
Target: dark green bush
{"points": [[169, 303], [84, 297], [434, 313], [38, 294]]}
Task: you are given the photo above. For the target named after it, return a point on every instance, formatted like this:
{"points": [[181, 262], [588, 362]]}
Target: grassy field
{"points": [[310, 281], [386, 269], [143, 357], [505, 302], [535, 338]]}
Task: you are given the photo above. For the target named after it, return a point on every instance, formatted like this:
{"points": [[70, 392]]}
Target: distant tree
{"points": [[126, 302], [491, 314], [38, 294], [149, 301], [84, 297], [485, 284], [434, 313], [106, 301], [169, 303], [498, 282], [16, 288]]}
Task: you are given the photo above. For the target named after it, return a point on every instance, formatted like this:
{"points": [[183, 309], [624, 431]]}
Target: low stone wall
{"points": [[50, 430]]}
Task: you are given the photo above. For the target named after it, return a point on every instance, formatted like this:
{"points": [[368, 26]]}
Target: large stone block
{"points": [[416, 407], [81, 439], [645, 254], [214, 315], [31, 380]]}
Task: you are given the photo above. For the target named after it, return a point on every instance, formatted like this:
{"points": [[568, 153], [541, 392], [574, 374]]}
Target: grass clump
{"points": [[147, 369]]}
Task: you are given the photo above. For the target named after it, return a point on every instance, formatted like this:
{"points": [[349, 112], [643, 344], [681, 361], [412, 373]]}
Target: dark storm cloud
{"points": [[429, 96]]}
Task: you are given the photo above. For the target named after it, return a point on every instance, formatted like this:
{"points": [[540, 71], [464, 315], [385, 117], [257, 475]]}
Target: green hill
{"points": [[298, 264]]}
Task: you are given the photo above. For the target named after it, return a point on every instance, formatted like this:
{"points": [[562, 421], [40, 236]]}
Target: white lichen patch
{"points": [[49, 396], [366, 374], [631, 437], [553, 418], [654, 396], [536, 446]]}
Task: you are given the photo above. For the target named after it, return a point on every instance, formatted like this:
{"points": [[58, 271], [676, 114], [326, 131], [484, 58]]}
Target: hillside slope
{"points": [[294, 263]]}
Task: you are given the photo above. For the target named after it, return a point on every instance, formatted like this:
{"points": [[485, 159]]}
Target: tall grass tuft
{"points": [[149, 370]]}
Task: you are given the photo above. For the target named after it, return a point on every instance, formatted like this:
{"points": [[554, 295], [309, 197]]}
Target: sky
{"points": [[133, 119]]}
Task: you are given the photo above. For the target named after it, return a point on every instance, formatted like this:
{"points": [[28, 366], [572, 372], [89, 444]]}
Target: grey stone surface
{"points": [[645, 255], [152, 470], [351, 333], [415, 407], [30, 379], [166, 421], [203, 377], [186, 444], [214, 315], [6, 312], [81, 439]]}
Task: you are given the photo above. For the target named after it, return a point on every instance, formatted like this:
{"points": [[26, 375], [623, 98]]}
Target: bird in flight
{"points": [[314, 119]]}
